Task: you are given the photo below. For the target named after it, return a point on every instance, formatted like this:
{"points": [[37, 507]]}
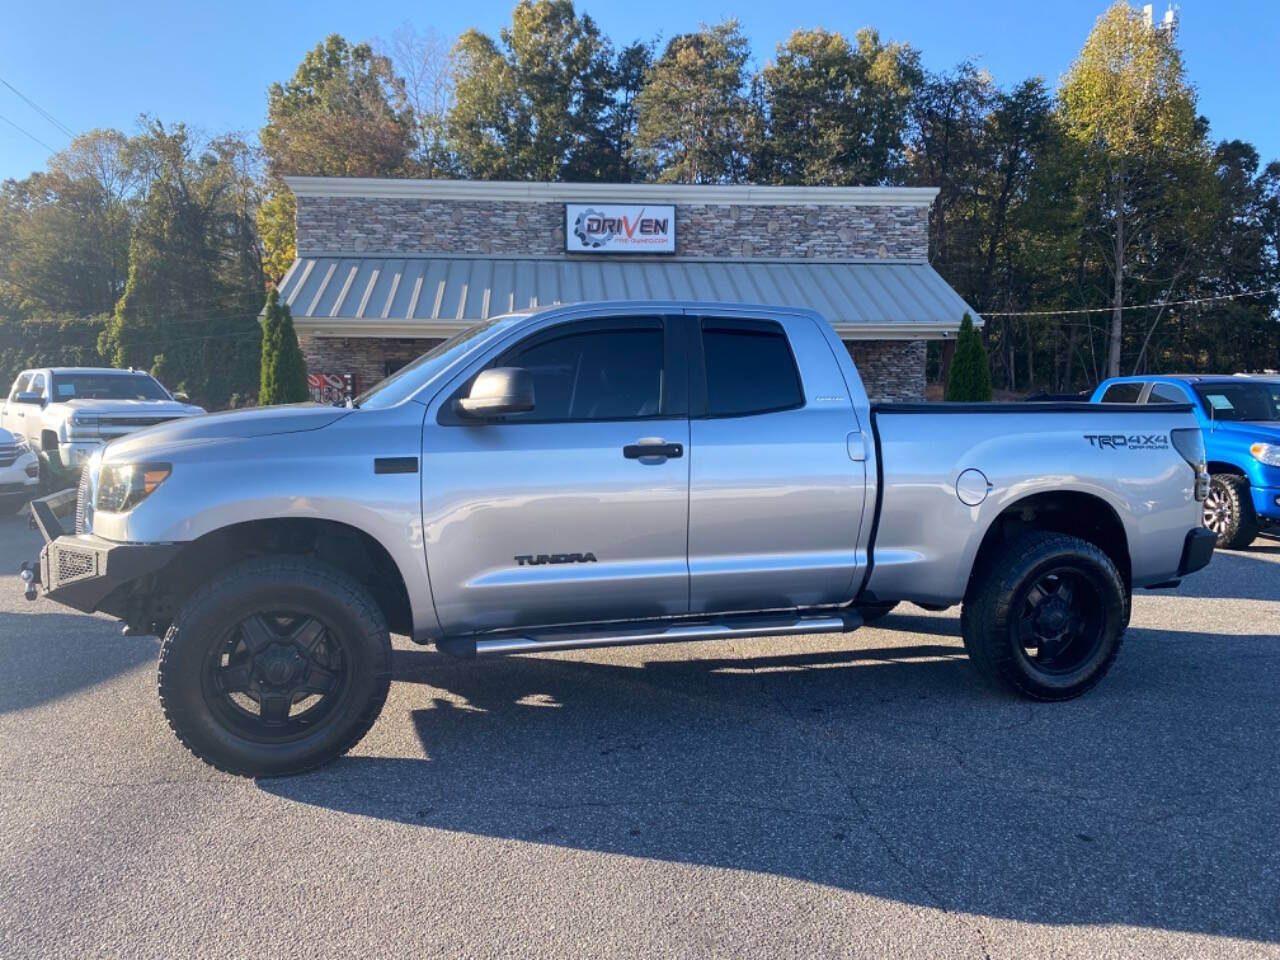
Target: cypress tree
{"points": [[268, 390], [291, 367], [970, 380]]}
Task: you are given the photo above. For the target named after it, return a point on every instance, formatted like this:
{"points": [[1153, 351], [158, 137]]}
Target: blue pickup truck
{"points": [[1240, 417]]}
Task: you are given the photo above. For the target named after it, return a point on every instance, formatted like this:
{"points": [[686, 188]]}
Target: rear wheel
{"points": [[1228, 511], [1046, 616], [278, 666]]}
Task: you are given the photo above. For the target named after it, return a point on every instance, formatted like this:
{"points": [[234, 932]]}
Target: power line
{"points": [[40, 110], [27, 133], [1134, 306]]}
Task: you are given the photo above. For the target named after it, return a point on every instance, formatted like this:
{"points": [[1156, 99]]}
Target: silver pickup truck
{"points": [[611, 473]]}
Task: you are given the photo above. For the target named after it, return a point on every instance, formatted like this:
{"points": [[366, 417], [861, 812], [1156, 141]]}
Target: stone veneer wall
{"points": [[890, 369], [409, 226], [366, 357]]}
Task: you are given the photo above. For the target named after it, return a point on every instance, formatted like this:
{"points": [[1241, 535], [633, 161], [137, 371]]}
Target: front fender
{"points": [[325, 474]]}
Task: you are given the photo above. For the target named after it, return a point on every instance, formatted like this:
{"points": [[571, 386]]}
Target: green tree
{"points": [[284, 374], [1126, 100], [343, 114], [694, 114], [188, 312], [537, 103], [970, 380], [834, 113]]}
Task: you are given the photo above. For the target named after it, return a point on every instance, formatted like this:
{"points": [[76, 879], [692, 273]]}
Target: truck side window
{"points": [[37, 385], [749, 367], [1166, 393], [600, 374], [1122, 393], [20, 385]]}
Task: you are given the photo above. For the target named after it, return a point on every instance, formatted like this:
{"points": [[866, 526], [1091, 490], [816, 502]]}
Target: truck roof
{"points": [[95, 370], [1191, 377]]}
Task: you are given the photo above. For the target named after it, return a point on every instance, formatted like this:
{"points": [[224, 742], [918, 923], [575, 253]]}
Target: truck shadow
{"points": [[52, 655], [882, 769]]}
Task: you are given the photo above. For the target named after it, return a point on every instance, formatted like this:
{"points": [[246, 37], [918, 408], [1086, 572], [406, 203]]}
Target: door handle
{"points": [[652, 448]]}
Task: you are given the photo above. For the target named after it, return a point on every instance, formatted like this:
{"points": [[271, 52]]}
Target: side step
{"points": [[653, 631]]}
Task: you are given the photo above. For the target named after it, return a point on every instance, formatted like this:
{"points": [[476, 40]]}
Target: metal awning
{"points": [[439, 295]]}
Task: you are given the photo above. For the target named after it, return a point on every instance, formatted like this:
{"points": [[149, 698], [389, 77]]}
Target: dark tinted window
{"points": [[749, 369], [1122, 393], [1166, 393], [594, 375]]}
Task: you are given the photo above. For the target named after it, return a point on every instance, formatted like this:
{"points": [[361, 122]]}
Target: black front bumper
{"points": [[82, 570], [1197, 550]]}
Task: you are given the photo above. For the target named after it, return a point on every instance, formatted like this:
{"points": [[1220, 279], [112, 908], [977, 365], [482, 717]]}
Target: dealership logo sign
{"points": [[619, 228]]}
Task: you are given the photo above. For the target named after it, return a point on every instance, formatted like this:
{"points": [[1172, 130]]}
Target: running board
{"points": [[659, 631]]}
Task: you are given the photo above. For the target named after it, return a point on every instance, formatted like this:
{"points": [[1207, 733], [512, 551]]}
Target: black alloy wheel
{"points": [[1060, 621], [275, 675]]}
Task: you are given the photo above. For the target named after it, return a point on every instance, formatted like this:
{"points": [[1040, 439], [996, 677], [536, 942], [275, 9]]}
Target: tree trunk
{"points": [[1117, 296]]}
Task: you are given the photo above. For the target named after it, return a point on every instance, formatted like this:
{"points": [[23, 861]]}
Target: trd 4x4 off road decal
{"points": [[1133, 441], [531, 560]]}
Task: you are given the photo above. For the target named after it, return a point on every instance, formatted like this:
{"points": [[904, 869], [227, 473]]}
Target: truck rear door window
{"points": [[1122, 393], [749, 367], [1166, 393]]}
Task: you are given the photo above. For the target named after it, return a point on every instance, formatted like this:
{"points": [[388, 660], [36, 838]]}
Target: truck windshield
{"points": [[106, 386], [411, 377], [1246, 400]]}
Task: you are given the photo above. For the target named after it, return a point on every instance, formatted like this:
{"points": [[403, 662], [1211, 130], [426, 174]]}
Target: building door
{"points": [[775, 500], [577, 510]]}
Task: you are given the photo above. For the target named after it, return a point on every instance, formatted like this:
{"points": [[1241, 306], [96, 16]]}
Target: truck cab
{"points": [[1240, 417]]}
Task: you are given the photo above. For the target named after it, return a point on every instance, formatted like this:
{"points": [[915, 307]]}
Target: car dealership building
{"points": [[388, 268]]}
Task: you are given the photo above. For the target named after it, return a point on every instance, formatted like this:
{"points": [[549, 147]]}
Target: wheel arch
{"points": [[1072, 512], [1222, 466], [339, 544]]}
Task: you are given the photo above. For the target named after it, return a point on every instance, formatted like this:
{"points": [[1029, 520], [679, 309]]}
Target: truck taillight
{"points": [[1189, 442]]}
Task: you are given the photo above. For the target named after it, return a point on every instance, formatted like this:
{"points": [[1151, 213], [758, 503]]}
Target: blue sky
{"points": [[102, 64]]}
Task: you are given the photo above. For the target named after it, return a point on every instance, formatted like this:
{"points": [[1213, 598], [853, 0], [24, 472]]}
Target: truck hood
{"points": [[134, 408], [1267, 431], [230, 425]]}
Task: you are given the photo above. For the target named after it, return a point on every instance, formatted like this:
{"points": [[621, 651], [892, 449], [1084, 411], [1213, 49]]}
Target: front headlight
{"points": [[1268, 453], [122, 486], [20, 442]]}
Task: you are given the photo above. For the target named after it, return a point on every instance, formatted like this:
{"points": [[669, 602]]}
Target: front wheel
{"points": [[1228, 511], [1046, 616], [279, 665]]}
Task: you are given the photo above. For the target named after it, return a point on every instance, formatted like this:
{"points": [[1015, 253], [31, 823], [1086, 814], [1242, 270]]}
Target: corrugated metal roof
{"points": [[430, 296]]}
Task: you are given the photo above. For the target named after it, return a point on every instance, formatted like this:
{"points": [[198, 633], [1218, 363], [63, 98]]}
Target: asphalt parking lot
{"points": [[819, 796]]}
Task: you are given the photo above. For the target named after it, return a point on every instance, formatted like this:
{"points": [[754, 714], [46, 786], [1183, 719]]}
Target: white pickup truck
{"points": [[67, 413]]}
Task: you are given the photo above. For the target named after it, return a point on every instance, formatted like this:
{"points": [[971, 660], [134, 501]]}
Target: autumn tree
{"points": [[539, 102], [834, 112], [694, 113], [1126, 100], [189, 309], [343, 114]]}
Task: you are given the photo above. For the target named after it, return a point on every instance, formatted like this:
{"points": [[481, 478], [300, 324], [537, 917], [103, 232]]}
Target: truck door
{"points": [[577, 510], [10, 418], [776, 496]]}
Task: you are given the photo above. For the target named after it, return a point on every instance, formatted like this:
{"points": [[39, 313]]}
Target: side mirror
{"points": [[498, 391], [181, 397], [29, 397]]}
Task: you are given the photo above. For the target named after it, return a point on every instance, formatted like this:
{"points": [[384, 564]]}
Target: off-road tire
{"points": [[213, 610], [871, 612], [1237, 524], [992, 606]]}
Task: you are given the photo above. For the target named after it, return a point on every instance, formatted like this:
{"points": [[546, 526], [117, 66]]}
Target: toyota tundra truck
{"points": [[601, 474]]}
